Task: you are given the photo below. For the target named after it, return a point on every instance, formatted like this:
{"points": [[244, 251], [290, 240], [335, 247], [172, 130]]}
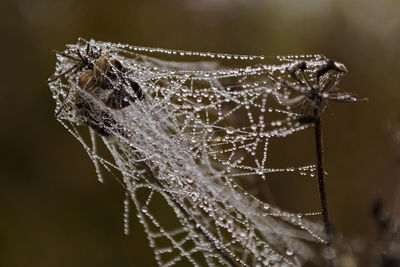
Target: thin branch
{"points": [[321, 178]]}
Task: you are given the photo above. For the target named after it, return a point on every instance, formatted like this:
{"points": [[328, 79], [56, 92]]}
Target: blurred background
{"points": [[53, 212]]}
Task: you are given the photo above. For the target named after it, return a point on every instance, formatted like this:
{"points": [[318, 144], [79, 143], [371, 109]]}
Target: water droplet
{"points": [[230, 130], [289, 252]]}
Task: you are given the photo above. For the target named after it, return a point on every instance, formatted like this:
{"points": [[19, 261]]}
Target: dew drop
{"points": [[289, 252], [230, 130]]}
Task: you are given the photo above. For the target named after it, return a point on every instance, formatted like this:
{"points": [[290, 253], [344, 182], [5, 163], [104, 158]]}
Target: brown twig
{"points": [[321, 179]]}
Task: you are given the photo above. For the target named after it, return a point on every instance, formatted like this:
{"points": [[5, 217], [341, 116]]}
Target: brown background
{"points": [[53, 212]]}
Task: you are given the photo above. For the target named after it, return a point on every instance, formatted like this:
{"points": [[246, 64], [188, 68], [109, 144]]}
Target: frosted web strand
{"points": [[182, 53]]}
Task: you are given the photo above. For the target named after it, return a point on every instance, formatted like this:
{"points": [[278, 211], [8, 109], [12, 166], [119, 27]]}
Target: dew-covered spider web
{"points": [[182, 150]]}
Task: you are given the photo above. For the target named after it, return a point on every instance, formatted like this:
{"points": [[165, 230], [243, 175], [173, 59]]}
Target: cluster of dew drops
{"points": [[245, 138]]}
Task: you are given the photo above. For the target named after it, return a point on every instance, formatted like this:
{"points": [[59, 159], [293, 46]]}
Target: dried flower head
{"points": [[314, 87]]}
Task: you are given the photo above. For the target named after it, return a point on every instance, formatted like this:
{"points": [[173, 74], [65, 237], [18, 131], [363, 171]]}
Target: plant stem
{"points": [[321, 179]]}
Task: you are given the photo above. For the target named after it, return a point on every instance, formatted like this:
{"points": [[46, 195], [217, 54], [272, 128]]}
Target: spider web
{"points": [[182, 151]]}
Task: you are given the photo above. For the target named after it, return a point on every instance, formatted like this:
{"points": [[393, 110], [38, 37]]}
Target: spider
{"points": [[82, 61], [314, 95], [101, 81]]}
